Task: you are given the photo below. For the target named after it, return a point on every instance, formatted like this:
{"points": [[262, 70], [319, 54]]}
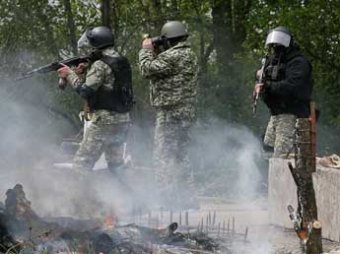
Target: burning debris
{"points": [[23, 231]]}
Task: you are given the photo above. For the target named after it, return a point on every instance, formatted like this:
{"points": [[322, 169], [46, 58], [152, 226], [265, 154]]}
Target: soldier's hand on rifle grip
{"points": [[257, 89], [64, 71], [80, 69], [147, 44], [258, 74]]}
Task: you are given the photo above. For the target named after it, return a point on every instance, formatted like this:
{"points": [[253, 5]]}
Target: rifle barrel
{"points": [[73, 61]]}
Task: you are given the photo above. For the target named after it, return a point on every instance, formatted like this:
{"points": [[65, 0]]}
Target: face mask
{"points": [[84, 47], [277, 50]]}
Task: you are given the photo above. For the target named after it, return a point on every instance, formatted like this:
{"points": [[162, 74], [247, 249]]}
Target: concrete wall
{"points": [[282, 192]]}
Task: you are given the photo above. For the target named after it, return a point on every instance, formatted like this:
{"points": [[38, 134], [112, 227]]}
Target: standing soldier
{"points": [[105, 85], [286, 90], [173, 75]]}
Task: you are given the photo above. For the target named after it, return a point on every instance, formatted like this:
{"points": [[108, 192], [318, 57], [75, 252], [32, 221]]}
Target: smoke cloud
{"points": [[227, 163], [225, 159]]}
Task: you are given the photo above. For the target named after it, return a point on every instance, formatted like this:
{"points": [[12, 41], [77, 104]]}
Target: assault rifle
{"points": [[260, 80], [157, 40], [73, 61]]}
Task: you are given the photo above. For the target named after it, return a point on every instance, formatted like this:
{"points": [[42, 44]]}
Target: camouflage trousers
{"points": [[280, 134], [173, 169], [105, 133]]}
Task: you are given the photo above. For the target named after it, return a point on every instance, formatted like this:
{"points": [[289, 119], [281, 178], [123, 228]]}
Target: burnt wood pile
{"points": [[23, 231]]}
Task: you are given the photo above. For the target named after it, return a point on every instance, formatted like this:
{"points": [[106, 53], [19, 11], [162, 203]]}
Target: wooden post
{"points": [[302, 174]]}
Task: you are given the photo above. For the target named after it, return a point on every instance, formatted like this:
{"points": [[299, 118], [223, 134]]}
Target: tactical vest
{"points": [[296, 103], [120, 98], [275, 70]]}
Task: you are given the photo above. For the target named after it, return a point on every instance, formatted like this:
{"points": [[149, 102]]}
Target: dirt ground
{"points": [[263, 238], [248, 218], [252, 217]]}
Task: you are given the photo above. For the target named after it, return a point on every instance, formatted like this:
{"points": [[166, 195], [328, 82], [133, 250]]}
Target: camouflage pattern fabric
{"points": [[107, 130], [99, 74], [280, 134], [173, 169], [173, 89], [173, 75], [103, 137]]}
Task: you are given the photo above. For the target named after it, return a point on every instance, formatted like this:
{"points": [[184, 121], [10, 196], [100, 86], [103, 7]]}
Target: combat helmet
{"points": [[174, 29], [97, 37], [279, 36]]}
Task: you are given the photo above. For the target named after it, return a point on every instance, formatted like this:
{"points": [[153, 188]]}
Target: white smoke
{"points": [[227, 163], [227, 158]]}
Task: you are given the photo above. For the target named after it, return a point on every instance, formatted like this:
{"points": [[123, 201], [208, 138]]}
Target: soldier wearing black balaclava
{"points": [[286, 90]]}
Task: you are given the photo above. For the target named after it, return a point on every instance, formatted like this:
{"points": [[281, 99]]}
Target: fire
{"points": [[303, 234], [110, 222]]}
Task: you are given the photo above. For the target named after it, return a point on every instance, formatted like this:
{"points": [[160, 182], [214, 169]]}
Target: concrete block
{"points": [[282, 192]]}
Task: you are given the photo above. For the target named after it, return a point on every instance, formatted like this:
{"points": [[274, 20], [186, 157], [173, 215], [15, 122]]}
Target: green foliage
{"points": [[228, 37], [315, 26]]}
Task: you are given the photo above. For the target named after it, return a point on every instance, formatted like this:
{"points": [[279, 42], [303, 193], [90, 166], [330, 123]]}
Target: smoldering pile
{"points": [[23, 231]]}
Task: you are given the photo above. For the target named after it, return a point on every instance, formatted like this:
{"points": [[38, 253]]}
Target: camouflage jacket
{"points": [[99, 74], [173, 75]]}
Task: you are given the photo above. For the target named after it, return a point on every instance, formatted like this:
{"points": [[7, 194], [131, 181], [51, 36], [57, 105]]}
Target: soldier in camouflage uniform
{"points": [[173, 78], [286, 90], [107, 127]]}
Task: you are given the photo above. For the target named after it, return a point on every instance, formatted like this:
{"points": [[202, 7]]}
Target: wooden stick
{"points": [[246, 234], [187, 218], [206, 222], [161, 212], [180, 218], [223, 227], [171, 217], [149, 218], [233, 226]]}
